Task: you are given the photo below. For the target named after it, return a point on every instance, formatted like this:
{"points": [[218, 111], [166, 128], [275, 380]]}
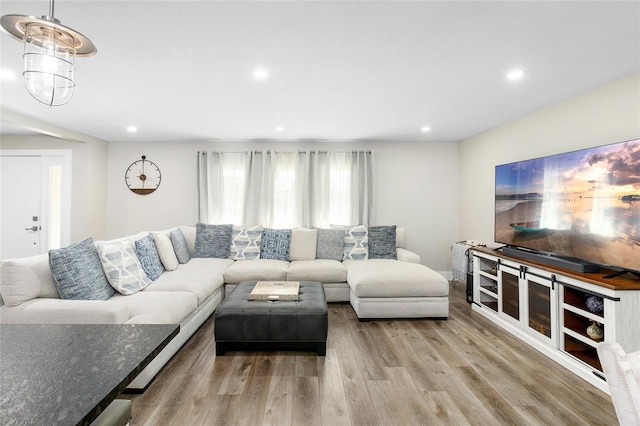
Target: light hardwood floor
{"points": [[465, 370]]}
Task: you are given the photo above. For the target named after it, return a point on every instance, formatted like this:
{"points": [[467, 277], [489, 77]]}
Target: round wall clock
{"points": [[142, 176]]}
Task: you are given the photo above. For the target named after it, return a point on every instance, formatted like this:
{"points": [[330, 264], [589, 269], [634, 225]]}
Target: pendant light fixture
{"points": [[49, 55]]}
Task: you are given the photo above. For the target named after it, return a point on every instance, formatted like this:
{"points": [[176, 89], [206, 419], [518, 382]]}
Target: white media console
{"points": [[547, 308]]}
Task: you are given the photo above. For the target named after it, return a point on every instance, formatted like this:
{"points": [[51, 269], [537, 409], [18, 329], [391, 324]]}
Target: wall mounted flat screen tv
{"points": [[582, 205]]}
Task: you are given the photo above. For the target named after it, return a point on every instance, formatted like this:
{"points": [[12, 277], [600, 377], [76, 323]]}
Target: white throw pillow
{"points": [[165, 251], [303, 244], [122, 267]]}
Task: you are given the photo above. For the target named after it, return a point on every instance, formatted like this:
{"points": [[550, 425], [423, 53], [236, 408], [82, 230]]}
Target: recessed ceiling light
{"points": [[132, 129], [279, 129], [515, 74], [425, 129], [260, 74]]}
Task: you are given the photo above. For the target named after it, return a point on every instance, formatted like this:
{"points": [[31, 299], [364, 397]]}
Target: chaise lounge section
{"points": [[381, 288]]}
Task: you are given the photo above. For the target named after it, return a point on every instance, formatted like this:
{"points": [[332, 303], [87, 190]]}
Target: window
{"points": [[286, 189]]}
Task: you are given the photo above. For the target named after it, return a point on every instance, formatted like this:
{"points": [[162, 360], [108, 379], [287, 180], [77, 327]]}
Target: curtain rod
{"points": [[269, 151]]}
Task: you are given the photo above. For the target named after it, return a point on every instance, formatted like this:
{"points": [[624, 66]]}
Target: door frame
{"points": [[51, 157]]}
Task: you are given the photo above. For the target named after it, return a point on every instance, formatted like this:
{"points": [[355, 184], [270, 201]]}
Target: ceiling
{"points": [[338, 71]]}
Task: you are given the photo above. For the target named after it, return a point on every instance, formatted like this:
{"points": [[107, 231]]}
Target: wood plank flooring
{"points": [[465, 370]]}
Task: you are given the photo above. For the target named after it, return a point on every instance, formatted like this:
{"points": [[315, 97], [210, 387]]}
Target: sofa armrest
{"points": [[60, 311], [405, 255]]}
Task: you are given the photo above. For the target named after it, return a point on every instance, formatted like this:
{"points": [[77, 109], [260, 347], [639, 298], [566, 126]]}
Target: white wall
{"points": [[605, 115], [441, 193], [416, 188], [88, 176]]}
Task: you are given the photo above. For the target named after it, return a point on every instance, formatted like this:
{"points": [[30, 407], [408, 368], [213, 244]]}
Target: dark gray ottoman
{"points": [[241, 324]]}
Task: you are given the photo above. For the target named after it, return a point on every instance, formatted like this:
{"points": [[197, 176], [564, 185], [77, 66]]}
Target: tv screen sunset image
{"points": [[582, 204]]}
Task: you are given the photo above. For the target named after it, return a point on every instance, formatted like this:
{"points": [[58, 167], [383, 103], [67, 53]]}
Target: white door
{"points": [[21, 207]]}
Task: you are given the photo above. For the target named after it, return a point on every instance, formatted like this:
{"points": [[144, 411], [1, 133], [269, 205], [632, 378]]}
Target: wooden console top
{"points": [[623, 282]]}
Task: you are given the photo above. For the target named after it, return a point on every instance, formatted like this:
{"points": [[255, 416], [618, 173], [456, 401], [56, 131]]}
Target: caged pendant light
{"points": [[49, 55]]}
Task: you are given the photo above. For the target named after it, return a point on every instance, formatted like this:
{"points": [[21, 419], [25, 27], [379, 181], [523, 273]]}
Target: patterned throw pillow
{"points": [[356, 242], [382, 242], [78, 272], [148, 256], [122, 267], [180, 246], [275, 244], [245, 242], [213, 241], [330, 244]]}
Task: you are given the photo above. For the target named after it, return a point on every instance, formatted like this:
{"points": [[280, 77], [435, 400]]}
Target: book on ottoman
{"points": [[275, 290]]}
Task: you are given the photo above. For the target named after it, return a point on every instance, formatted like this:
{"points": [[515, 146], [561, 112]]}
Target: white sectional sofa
{"points": [[189, 294]]}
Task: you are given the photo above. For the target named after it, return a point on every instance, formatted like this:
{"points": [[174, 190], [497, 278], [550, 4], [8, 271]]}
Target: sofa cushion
{"points": [[401, 238], [213, 240], [165, 250], [122, 267], [392, 278], [180, 246], [199, 281], [25, 279], [148, 256], [189, 233], [324, 270], [330, 244], [59, 311], [255, 270], [303, 244], [78, 273], [382, 242], [158, 307], [245, 242], [208, 264], [276, 244]]}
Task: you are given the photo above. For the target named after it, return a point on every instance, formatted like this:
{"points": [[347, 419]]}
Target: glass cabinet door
{"points": [[541, 319], [510, 285]]}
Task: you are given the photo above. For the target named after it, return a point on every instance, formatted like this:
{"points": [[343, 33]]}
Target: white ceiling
{"points": [[359, 70]]}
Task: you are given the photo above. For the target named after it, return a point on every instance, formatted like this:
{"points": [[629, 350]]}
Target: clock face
{"points": [[142, 176]]}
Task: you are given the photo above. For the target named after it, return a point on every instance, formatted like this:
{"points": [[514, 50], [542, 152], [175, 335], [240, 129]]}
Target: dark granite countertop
{"points": [[67, 374]]}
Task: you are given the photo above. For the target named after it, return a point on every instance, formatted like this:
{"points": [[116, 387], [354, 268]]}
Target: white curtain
{"points": [[286, 189]]}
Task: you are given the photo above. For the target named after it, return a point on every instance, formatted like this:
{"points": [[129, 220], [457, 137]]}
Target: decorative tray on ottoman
{"points": [[275, 290]]}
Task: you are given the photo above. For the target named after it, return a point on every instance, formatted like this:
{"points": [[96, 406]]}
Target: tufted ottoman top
{"points": [[239, 319]]}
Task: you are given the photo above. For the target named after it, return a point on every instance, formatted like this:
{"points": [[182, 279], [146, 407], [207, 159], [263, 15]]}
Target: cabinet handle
{"points": [[523, 272]]}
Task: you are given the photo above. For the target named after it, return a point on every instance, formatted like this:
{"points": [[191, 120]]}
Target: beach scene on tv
{"points": [[582, 204]]}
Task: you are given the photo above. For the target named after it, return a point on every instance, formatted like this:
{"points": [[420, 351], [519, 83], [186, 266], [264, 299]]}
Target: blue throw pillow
{"points": [[180, 246], [77, 272], [147, 253], [275, 244], [213, 241], [382, 242]]}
